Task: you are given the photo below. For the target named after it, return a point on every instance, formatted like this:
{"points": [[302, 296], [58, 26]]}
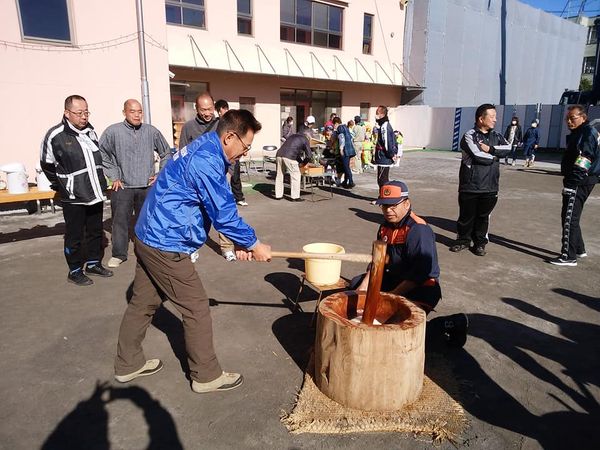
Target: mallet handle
{"points": [[352, 257]]}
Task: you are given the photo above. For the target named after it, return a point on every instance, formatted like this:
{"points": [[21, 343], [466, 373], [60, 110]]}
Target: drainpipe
{"points": [[143, 71]]}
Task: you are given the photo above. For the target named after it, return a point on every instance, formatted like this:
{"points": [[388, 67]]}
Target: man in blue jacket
{"points": [[189, 195]]}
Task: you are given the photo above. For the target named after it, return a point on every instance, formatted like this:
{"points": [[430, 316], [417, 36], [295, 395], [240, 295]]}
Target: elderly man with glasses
{"points": [[580, 167], [71, 161], [412, 269]]}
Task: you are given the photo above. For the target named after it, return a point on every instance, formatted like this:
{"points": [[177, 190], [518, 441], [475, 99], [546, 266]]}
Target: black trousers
{"points": [[236, 183], [474, 217], [347, 171], [123, 203], [572, 207], [383, 175], [83, 228]]}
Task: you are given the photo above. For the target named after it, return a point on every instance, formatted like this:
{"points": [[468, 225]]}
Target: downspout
{"points": [[143, 71]]}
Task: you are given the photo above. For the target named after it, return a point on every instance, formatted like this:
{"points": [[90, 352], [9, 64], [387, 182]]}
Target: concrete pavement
{"points": [[530, 368]]}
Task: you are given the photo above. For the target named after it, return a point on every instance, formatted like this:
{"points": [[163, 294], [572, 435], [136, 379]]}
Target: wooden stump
{"points": [[370, 367]]}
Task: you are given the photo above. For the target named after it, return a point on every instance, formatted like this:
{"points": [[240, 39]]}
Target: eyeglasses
{"points": [[572, 118], [394, 205], [80, 113], [246, 147]]}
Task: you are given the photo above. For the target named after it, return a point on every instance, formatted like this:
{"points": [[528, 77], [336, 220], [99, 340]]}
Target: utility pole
{"points": [[143, 71]]}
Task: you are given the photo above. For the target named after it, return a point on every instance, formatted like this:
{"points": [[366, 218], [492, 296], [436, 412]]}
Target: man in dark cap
{"points": [[412, 269]]}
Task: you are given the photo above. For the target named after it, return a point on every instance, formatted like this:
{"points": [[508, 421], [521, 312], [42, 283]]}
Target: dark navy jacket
{"points": [[411, 250], [580, 163]]}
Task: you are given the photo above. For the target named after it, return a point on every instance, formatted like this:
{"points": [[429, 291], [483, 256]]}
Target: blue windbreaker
{"points": [[191, 193]]}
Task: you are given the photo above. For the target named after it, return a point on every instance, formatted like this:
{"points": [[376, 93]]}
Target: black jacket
{"points": [[518, 134], [480, 171], [72, 162], [580, 163], [296, 148]]}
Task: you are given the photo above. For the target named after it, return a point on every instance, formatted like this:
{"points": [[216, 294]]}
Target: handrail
{"points": [[383, 70], [344, 67], [365, 69], [227, 47], [193, 43], [259, 50], [312, 55], [287, 52]]}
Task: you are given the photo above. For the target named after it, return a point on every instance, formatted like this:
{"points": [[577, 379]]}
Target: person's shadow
{"points": [[450, 225], [86, 427], [577, 412]]}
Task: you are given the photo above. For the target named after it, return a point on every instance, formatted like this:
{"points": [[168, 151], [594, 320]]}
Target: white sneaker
{"points": [[229, 255], [582, 255], [225, 382], [242, 203], [150, 368], [114, 262]]}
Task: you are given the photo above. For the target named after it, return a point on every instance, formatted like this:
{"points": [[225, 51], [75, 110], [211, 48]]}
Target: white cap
{"points": [[310, 119]]}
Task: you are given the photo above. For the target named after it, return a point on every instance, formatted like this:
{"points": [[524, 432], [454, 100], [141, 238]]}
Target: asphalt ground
{"points": [[530, 371]]}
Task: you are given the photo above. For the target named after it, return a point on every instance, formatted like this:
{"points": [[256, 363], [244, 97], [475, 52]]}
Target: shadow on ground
{"points": [[450, 225], [577, 413], [86, 427]]}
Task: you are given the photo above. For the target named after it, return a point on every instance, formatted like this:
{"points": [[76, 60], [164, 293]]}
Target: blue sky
{"points": [[592, 7]]}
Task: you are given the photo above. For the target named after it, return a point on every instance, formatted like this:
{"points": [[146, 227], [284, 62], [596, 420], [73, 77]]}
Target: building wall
{"points": [[266, 90], [37, 77], [429, 127], [456, 53]]}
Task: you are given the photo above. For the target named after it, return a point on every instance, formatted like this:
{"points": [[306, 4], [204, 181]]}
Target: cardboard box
{"points": [[307, 170]]}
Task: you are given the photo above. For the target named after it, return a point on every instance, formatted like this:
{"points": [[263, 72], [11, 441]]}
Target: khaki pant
{"points": [[358, 158], [290, 166], [175, 276]]}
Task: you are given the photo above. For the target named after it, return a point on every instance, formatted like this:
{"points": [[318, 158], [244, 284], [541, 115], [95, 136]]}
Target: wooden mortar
{"points": [[364, 366]]}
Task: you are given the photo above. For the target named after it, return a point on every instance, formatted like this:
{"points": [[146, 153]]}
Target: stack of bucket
{"points": [[16, 178]]}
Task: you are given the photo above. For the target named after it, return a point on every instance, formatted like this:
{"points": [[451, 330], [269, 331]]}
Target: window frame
{"points": [[295, 27], [62, 42], [369, 38], [245, 16], [181, 4], [588, 69]]}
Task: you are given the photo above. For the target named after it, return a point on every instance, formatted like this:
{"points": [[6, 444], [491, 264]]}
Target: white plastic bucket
{"points": [[16, 178], [43, 183], [323, 271]]}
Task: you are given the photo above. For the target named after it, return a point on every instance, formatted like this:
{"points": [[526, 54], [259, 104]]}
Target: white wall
{"points": [[424, 126], [456, 53]]}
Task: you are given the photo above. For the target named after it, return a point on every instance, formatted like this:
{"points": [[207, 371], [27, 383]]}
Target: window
{"points": [[309, 22], [186, 12], [364, 111], [592, 35], [244, 19], [589, 63], [248, 103], [45, 20], [301, 103], [367, 34]]}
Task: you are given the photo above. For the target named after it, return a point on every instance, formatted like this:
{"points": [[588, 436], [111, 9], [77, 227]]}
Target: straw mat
{"points": [[435, 416]]}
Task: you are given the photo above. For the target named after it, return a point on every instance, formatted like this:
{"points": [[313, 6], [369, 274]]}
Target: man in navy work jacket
{"points": [[189, 195], [412, 268], [478, 180]]}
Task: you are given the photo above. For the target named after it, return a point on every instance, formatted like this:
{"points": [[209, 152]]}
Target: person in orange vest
{"points": [[412, 269]]}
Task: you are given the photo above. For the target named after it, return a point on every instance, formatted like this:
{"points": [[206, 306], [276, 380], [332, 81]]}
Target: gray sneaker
{"points": [[226, 382], [150, 368]]}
